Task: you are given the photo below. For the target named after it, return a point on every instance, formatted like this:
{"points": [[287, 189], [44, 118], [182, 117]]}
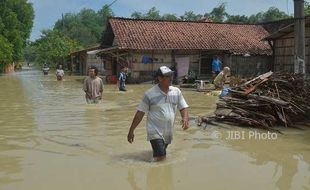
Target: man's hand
{"points": [[88, 95], [136, 120], [184, 124], [130, 137], [184, 115]]}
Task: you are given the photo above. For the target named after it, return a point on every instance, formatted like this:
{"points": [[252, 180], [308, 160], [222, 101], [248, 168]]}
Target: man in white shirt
{"points": [[60, 73], [160, 103]]}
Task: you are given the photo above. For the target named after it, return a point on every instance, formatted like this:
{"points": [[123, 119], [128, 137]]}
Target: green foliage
{"points": [[307, 8], [30, 52], [218, 14], [152, 14], [137, 15], [16, 20], [191, 16], [70, 33], [273, 14], [103, 14], [86, 26], [237, 19], [53, 47], [169, 17], [6, 51]]}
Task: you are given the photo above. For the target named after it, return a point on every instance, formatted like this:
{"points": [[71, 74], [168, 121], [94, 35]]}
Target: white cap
{"points": [[164, 71]]}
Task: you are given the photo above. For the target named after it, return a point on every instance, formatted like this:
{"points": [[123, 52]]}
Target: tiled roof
{"points": [[181, 35]]}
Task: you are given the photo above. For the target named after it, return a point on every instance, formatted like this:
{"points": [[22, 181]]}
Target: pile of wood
{"points": [[266, 101]]}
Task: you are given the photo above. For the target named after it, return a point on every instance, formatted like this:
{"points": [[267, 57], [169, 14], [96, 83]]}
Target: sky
{"points": [[47, 12]]}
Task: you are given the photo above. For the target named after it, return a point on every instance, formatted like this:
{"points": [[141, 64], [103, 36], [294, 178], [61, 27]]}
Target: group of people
{"points": [[160, 103], [93, 85], [59, 71]]}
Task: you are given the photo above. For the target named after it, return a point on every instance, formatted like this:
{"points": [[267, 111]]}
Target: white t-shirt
{"points": [[60, 72], [161, 110]]}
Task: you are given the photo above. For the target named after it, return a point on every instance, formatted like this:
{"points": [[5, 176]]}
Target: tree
{"points": [[169, 17], [191, 16], [86, 26], [273, 14], [237, 19], [53, 47], [218, 14], [307, 8], [152, 14], [137, 15], [6, 53], [16, 20], [30, 52], [256, 18], [103, 14]]}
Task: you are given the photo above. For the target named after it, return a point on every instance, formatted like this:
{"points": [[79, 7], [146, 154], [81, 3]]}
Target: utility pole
{"points": [[299, 32], [63, 30]]}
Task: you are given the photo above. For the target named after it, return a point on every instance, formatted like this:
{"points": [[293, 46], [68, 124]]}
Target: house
{"points": [[82, 59], [145, 45], [283, 46]]}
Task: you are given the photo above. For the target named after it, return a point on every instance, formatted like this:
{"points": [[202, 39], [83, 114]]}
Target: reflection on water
{"points": [[51, 139], [16, 125], [160, 177]]}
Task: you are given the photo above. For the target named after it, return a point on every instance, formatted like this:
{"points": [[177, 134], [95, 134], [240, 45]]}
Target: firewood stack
{"points": [[266, 101]]}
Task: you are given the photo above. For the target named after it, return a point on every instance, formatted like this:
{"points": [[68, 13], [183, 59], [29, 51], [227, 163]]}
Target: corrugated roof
{"points": [[286, 30], [97, 46], [180, 35]]}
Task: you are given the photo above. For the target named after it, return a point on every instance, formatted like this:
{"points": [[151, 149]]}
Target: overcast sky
{"points": [[47, 12]]}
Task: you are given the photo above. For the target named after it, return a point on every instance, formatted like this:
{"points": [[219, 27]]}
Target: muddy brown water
{"points": [[51, 139]]}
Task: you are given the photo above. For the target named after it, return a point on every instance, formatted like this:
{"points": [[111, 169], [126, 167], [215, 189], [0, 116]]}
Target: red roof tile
{"points": [[165, 35]]}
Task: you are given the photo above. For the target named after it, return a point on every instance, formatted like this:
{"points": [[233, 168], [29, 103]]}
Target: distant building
{"points": [[82, 59], [145, 45], [283, 43]]}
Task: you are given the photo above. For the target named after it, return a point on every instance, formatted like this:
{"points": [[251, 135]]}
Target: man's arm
{"points": [[85, 89], [213, 66], [119, 78], [184, 114], [101, 89], [117, 84], [136, 120]]}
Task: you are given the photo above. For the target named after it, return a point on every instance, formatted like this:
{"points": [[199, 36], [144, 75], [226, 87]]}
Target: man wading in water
{"points": [[93, 86], [160, 103]]}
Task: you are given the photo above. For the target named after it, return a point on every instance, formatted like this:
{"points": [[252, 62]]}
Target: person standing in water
{"points": [[121, 80], [93, 86], [45, 69], [160, 103], [60, 73]]}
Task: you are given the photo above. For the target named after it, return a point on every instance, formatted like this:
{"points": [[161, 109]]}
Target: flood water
{"points": [[51, 139]]}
